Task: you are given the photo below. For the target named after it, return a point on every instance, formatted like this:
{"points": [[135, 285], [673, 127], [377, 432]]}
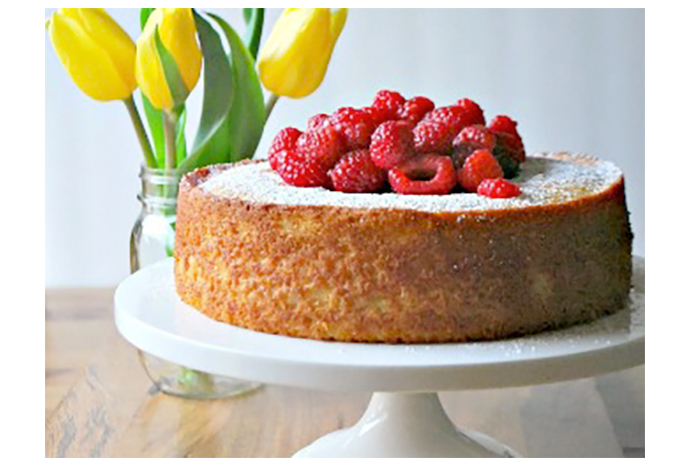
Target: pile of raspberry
{"points": [[409, 146]]}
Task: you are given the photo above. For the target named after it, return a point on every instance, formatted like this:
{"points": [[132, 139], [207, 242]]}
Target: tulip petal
{"points": [[149, 69], [338, 18], [178, 33], [294, 59], [95, 71], [101, 27], [174, 28], [154, 116]]}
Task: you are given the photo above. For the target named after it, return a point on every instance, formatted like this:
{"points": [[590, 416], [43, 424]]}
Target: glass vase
{"points": [[152, 240]]}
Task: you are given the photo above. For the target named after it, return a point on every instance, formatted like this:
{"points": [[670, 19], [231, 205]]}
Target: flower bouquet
{"points": [[175, 48]]}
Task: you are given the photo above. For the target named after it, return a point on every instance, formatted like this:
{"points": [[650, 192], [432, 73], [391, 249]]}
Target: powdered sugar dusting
{"points": [[545, 179]]}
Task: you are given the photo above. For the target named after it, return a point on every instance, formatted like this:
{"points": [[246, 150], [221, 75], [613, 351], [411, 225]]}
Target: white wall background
{"points": [[574, 79]]}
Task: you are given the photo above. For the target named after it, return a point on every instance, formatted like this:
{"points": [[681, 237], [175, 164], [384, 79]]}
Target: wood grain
{"points": [[99, 403]]}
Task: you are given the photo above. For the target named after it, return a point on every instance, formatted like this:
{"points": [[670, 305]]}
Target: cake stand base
{"points": [[405, 425], [405, 417]]}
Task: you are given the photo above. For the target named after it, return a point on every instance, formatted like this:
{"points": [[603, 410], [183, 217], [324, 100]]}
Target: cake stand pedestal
{"points": [[405, 417]]}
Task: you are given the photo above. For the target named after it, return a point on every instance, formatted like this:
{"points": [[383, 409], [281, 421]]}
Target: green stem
{"points": [[149, 158], [169, 124], [169, 129], [270, 103], [197, 382]]}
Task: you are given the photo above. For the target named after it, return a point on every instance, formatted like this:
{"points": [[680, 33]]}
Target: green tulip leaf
{"points": [[254, 20], [178, 89], [180, 140], [247, 115], [144, 14], [211, 143], [153, 115], [233, 113], [155, 120], [247, 14]]}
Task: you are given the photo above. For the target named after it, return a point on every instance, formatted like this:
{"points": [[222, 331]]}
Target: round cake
{"points": [[258, 253]]}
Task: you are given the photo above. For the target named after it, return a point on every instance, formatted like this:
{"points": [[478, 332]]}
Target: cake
{"points": [[254, 251], [403, 222]]}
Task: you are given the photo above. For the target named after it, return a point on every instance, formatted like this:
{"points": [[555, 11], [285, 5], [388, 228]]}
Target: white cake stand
{"points": [[405, 417]]}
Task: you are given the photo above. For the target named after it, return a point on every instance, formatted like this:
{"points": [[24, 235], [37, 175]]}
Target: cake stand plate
{"points": [[405, 417]]}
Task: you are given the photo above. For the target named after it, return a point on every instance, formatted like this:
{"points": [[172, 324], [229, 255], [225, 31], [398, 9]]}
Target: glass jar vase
{"points": [[152, 240]]}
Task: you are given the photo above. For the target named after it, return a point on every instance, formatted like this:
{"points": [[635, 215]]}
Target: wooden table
{"points": [[100, 403]]}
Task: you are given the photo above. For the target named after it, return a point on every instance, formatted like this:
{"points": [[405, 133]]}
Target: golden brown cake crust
{"points": [[395, 275]]}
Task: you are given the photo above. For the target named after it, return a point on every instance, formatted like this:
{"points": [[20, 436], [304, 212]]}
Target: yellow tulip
{"points": [[95, 51], [294, 59], [178, 35]]}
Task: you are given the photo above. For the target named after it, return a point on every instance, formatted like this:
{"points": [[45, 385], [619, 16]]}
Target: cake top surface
{"points": [[545, 179]]}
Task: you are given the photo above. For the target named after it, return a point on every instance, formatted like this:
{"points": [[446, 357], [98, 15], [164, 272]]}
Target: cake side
{"points": [[400, 275]]}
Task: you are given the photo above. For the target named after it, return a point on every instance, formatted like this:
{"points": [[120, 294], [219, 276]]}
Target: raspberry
{"points": [[389, 104], [433, 137], [414, 109], [424, 175], [471, 138], [377, 115], [498, 188], [475, 112], [323, 144], [275, 159], [316, 121], [391, 144], [503, 123], [354, 126], [356, 172], [437, 130], [299, 171], [479, 166], [285, 139], [476, 135], [453, 115]]}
